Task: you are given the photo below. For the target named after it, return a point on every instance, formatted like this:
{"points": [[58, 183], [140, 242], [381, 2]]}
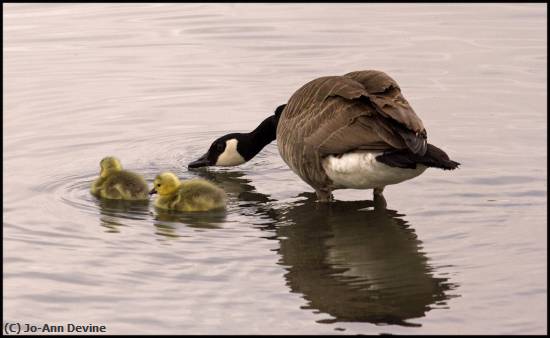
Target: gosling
{"points": [[189, 195], [117, 184]]}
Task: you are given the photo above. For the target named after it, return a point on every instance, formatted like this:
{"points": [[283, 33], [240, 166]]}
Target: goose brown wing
{"points": [[385, 95], [338, 114], [311, 96], [353, 125]]}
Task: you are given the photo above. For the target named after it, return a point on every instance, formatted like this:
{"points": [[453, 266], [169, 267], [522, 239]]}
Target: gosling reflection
{"points": [[235, 184], [202, 220], [357, 262], [114, 212], [249, 202]]}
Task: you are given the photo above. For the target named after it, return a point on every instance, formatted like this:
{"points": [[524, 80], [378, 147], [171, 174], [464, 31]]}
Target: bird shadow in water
{"points": [[358, 263], [354, 260], [113, 212], [201, 220]]}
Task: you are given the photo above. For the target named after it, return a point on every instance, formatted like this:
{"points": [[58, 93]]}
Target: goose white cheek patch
{"points": [[230, 156]]}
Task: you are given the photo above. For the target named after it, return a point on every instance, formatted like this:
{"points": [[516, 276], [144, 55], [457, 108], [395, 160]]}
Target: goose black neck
{"points": [[251, 144]]}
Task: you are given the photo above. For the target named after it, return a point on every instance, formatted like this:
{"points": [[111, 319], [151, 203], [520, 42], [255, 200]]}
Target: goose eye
{"points": [[219, 147]]}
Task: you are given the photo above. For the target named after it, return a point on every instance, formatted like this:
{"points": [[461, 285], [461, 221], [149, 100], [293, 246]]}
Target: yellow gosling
{"points": [[117, 184], [189, 195]]}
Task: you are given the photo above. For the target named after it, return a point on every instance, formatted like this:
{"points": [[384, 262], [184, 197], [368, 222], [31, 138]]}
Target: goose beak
{"points": [[201, 162], [153, 191]]}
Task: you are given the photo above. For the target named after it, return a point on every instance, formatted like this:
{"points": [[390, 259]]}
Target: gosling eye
{"points": [[158, 184]]}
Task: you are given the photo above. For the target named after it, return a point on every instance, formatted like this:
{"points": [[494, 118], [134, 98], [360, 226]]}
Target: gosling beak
{"points": [[201, 162], [153, 191]]}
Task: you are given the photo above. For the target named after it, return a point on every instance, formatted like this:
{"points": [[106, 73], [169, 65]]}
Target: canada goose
{"points": [[189, 195], [354, 131], [117, 184]]}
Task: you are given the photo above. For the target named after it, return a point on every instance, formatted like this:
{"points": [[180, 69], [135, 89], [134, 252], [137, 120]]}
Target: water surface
{"points": [[155, 84]]}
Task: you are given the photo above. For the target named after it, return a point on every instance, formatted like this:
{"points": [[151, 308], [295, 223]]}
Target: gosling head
{"points": [[226, 151], [109, 165], [165, 184]]}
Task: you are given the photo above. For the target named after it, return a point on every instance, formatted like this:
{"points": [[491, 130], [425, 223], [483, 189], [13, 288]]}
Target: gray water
{"points": [[154, 84]]}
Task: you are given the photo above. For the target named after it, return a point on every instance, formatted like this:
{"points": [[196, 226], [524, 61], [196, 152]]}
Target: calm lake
{"points": [[461, 251]]}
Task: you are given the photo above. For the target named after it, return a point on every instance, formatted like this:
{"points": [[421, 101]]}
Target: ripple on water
{"points": [[73, 189], [275, 261]]}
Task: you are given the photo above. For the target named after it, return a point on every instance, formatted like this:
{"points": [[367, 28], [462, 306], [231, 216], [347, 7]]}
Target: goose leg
{"points": [[378, 191], [379, 200], [380, 203], [324, 195]]}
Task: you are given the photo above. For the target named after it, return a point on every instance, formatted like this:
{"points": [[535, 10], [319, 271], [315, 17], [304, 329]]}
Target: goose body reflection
{"points": [[358, 262], [354, 260]]}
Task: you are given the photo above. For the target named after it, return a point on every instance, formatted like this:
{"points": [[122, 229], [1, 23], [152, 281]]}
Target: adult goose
{"points": [[336, 132]]}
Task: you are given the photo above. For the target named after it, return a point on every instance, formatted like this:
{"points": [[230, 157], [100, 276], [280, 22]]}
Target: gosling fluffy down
{"points": [[189, 195], [117, 184]]}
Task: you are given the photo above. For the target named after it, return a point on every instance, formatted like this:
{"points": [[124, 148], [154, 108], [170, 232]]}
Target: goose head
{"points": [[237, 148], [226, 151]]}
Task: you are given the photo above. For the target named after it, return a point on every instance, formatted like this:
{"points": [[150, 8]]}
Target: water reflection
{"points": [[234, 183], [113, 212], [201, 220], [358, 262], [166, 230], [249, 202], [354, 260]]}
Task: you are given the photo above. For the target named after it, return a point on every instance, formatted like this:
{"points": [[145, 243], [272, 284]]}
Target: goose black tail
{"points": [[404, 158]]}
